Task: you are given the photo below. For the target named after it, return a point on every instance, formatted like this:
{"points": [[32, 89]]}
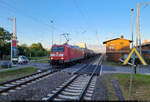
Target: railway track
{"points": [[77, 88], [10, 86], [77, 69]]}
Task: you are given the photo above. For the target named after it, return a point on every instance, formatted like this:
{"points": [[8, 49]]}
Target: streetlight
{"points": [[52, 28], [132, 24], [133, 58]]}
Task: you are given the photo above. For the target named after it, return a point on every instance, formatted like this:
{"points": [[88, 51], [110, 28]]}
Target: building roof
{"points": [[115, 39]]}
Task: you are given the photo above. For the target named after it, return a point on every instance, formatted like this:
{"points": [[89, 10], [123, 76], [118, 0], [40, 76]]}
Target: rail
{"points": [[59, 91]]}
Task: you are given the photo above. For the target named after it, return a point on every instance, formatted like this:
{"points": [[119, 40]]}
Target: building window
{"points": [[111, 47]]}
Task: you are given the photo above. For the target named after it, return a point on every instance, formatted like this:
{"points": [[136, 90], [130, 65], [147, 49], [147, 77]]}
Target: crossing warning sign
{"points": [[139, 56]]}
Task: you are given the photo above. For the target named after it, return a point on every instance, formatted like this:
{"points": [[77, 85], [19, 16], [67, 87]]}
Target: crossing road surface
{"points": [[124, 69]]}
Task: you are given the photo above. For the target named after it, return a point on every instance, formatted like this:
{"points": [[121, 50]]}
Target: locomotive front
{"points": [[57, 55]]}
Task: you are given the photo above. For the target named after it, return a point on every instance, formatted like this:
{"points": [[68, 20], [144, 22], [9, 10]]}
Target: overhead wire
{"points": [[27, 15], [21, 12], [82, 14], [85, 17]]}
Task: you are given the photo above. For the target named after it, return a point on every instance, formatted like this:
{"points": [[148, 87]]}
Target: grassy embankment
{"points": [[113, 63], [38, 58], [43, 59], [16, 73], [140, 88]]}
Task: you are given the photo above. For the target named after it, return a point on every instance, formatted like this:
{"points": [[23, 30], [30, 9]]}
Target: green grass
{"points": [[113, 63], [43, 61], [141, 86], [7, 67], [16, 73], [111, 91], [38, 58]]}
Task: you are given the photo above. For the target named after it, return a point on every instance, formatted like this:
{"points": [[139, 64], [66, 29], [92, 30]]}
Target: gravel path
{"points": [[38, 90], [100, 92]]}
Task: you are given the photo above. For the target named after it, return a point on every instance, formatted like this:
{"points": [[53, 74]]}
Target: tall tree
{"points": [[23, 50], [37, 50], [5, 38]]}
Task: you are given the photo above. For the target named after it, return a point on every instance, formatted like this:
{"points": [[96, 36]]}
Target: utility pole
{"points": [[52, 28], [138, 23], [138, 10], [133, 58], [137, 33]]}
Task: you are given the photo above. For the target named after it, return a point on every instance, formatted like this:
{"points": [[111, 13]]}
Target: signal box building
{"points": [[117, 48]]}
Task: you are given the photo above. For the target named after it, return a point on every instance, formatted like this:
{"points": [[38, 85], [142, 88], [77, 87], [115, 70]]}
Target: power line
{"points": [[21, 12], [97, 36], [29, 16], [84, 16], [81, 13]]}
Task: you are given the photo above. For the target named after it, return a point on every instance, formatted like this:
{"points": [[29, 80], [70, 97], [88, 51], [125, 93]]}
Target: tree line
{"points": [[34, 50]]}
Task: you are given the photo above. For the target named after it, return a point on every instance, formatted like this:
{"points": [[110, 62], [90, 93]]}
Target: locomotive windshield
{"points": [[57, 49]]}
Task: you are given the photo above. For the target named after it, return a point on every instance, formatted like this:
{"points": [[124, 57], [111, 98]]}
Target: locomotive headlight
{"points": [[62, 58], [61, 54], [52, 55]]}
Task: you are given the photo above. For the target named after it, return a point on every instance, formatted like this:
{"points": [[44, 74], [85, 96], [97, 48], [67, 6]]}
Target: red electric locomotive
{"points": [[65, 53]]}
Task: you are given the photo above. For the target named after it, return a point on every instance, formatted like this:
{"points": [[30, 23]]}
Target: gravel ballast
{"points": [[37, 90], [100, 91]]}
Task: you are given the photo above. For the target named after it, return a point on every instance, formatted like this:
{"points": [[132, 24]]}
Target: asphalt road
{"points": [[39, 66], [105, 68], [124, 69]]}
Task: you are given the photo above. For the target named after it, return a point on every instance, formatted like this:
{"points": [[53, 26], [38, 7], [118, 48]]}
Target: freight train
{"points": [[63, 54]]}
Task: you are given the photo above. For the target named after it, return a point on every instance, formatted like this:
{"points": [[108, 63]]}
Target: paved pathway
{"points": [[125, 69], [39, 66]]}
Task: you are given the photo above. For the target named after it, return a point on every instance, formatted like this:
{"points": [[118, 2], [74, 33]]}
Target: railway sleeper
{"points": [[68, 97], [70, 90], [75, 88], [71, 93], [76, 85], [87, 98], [9, 85]]}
